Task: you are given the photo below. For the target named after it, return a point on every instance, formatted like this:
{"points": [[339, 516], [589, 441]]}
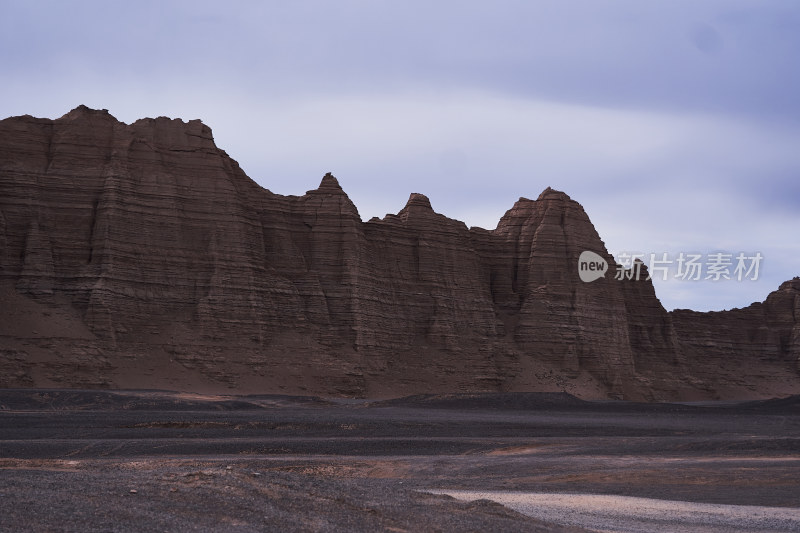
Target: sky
{"points": [[675, 123]]}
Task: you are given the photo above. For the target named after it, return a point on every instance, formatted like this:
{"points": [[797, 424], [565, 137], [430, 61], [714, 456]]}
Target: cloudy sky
{"points": [[675, 123]]}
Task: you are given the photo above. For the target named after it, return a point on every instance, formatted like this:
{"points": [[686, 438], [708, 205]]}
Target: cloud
{"points": [[675, 124], [623, 53]]}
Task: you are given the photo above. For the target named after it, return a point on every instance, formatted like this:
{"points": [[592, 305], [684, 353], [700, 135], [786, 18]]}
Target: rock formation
{"points": [[142, 256]]}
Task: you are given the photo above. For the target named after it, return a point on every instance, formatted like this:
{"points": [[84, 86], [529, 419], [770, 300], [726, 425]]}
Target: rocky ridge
{"points": [[142, 256]]}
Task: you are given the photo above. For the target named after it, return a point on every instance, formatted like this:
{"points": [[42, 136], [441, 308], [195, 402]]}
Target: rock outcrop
{"points": [[752, 347], [141, 255]]}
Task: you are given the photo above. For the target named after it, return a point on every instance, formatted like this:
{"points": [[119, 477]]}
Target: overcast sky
{"points": [[676, 124]]}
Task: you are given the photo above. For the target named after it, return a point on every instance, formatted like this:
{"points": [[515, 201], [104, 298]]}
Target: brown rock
{"points": [[177, 271], [745, 350]]}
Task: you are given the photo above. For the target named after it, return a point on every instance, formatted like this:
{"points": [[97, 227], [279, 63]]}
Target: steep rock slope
{"points": [[752, 347], [142, 256]]}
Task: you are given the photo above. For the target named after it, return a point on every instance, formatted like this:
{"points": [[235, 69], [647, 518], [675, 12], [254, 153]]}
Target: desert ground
{"points": [[159, 461]]}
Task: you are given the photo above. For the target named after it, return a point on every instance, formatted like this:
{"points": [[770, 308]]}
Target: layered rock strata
{"points": [[141, 255]]}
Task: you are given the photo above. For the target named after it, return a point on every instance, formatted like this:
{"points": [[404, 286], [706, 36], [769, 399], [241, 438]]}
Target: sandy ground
{"points": [[639, 515], [153, 461]]}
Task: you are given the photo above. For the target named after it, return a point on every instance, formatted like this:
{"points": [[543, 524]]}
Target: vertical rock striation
{"points": [[141, 255]]}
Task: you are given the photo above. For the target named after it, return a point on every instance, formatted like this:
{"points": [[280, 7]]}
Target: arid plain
{"points": [[157, 461]]}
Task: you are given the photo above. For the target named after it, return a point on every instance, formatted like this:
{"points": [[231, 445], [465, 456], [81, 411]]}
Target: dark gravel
{"points": [[70, 459]]}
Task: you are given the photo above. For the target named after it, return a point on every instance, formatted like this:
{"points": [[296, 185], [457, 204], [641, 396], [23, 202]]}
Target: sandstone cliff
{"points": [[141, 255]]}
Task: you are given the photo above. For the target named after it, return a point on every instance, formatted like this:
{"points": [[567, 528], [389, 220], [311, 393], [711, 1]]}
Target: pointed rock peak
{"points": [[329, 189], [329, 186], [520, 206], [417, 199], [82, 111], [523, 202], [552, 194], [329, 181], [418, 207], [791, 285]]}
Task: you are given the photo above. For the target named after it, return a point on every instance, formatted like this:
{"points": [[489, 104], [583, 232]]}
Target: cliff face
{"points": [[142, 256], [750, 346]]}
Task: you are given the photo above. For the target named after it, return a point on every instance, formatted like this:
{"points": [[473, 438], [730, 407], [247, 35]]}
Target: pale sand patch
{"points": [[633, 515]]}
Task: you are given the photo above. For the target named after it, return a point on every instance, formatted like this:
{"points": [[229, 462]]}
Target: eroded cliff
{"points": [[141, 255]]}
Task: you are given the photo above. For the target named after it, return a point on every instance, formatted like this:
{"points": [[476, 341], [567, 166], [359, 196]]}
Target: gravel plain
{"points": [[129, 461]]}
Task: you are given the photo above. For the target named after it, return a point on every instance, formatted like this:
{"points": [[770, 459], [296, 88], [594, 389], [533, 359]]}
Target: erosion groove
{"points": [[141, 256]]}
